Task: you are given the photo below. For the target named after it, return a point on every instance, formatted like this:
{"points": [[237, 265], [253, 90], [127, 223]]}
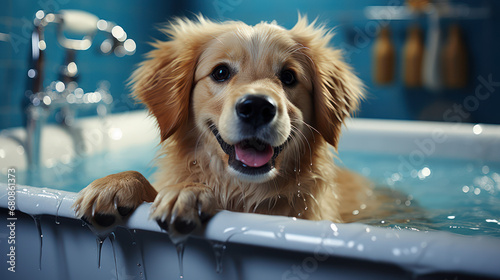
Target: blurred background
{"points": [[419, 62]]}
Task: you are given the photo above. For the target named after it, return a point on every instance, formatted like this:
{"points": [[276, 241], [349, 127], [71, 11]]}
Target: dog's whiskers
{"points": [[304, 139]]}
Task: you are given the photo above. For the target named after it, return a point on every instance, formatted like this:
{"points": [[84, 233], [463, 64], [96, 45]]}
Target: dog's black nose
{"points": [[256, 110]]}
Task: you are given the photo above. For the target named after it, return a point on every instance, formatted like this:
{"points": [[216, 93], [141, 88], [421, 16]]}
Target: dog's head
{"points": [[257, 97]]}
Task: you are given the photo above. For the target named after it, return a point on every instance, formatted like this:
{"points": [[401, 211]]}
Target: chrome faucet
{"points": [[65, 94]]}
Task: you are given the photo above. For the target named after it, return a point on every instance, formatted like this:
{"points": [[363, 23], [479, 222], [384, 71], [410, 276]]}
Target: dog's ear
{"points": [[164, 80], [337, 91]]}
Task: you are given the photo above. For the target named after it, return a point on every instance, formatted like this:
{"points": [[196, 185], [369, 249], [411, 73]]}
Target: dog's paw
{"points": [[183, 207], [108, 200]]}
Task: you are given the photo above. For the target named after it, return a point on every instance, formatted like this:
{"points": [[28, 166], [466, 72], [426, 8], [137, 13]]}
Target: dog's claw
{"points": [[162, 224], [204, 217], [104, 220]]}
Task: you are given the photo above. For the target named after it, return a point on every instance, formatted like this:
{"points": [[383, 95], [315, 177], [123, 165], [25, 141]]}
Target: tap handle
{"points": [[80, 22], [77, 22]]}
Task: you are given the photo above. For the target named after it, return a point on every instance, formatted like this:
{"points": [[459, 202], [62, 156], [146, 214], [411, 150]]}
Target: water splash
{"points": [[219, 248]]}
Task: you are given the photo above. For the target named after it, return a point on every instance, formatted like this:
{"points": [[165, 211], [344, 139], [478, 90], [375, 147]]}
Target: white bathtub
{"points": [[257, 246]]}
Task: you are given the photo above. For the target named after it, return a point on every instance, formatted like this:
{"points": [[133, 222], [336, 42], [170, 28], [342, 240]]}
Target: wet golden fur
{"points": [[193, 177]]}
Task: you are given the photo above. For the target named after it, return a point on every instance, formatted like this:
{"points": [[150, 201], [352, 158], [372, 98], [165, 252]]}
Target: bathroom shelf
{"points": [[457, 11]]}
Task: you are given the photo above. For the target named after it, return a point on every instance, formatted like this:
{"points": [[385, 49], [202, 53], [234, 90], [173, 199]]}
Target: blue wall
{"points": [[140, 18]]}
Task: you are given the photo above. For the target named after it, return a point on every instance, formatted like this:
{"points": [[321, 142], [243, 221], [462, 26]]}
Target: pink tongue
{"points": [[253, 158]]}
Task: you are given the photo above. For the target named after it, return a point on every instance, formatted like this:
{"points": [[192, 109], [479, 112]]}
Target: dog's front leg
{"points": [[106, 201]]}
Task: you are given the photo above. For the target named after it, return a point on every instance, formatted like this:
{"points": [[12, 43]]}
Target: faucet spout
{"points": [[65, 95]]}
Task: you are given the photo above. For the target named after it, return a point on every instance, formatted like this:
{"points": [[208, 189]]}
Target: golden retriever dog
{"points": [[248, 116]]}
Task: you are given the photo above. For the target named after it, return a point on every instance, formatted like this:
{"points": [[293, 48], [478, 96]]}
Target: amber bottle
{"points": [[384, 57]]}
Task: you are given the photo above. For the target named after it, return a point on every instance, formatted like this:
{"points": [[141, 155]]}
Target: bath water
{"points": [[455, 195]]}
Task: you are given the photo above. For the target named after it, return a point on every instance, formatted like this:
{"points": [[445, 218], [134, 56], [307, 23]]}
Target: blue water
{"points": [[460, 196], [456, 195], [83, 170]]}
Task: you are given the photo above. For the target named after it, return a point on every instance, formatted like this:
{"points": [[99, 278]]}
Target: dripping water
{"points": [[99, 241], [219, 249], [38, 225], [112, 240], [59, 202], [100, 238], [180, 255], [179, 240]]}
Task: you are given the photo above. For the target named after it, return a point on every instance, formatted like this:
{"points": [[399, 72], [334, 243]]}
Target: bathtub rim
{"points": [[443, 252]]}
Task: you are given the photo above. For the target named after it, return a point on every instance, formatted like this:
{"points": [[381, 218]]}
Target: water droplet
{"points": [[299, 214], [414, 249], [305, 208], [298, 184], [139, 265], [194, 162], [180, 255], [396, 252], [219, 249], [360, 247], [295, 170]]}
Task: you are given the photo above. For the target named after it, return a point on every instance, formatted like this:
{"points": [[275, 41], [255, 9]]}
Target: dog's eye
{"points": [[221, 73], [287, 77]]}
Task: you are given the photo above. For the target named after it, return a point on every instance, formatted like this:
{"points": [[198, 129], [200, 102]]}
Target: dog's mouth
{"points": [[250, 156]]}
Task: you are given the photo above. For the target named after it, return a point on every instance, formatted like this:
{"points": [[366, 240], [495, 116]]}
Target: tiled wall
{"points": [[139, 18]]}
